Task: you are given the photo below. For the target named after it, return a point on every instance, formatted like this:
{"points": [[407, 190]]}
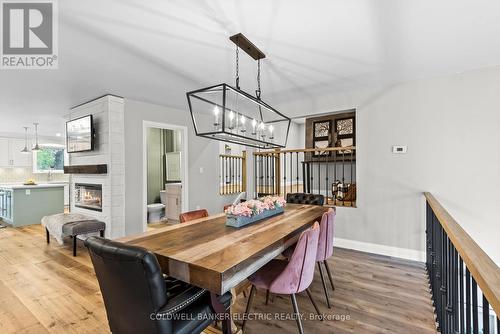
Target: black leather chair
{"points": [[302, 198], [139, 299]]}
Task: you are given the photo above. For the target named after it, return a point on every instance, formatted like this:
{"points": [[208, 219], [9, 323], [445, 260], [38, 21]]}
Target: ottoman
{"points": [[78, 228]]}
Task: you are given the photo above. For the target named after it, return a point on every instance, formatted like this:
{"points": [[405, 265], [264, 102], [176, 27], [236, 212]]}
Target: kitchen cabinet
{"points": [[20, 159], [173, 194], [26, 205], [4, 153], [10, 153], [6, 204]]}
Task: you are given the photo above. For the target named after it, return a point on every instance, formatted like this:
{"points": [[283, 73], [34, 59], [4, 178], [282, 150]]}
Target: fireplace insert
{"points": [[88, 196]]}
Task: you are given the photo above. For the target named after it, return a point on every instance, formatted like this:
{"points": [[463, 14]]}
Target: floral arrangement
{"points": [[256, 206]]}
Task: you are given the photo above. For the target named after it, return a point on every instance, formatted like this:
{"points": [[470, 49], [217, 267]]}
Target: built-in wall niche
{"points": [[333, 130], [328, 171]]}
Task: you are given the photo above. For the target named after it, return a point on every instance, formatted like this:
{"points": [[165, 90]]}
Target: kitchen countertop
{"points": [[37, 186]]}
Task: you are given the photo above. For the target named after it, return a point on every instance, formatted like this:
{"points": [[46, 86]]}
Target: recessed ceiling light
{"points": [[58, 134]]}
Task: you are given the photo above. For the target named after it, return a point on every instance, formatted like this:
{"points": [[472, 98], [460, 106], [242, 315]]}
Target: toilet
{"points": [[156, 211]]}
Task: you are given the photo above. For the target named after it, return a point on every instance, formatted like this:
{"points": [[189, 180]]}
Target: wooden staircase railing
{"points": [[233, 173], [457, 266], [327, 171]]}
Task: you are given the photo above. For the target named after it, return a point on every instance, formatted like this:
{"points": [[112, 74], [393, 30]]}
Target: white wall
{"points": [[203, 187], [452, 128]]}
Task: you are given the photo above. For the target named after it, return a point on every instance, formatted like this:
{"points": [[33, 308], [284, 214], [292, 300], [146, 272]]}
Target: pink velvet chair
{"points": [[325, 249], [290, 277]]}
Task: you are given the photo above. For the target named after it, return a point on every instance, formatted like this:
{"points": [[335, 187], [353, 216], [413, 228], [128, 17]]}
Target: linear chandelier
{"points": [[227, 113]]}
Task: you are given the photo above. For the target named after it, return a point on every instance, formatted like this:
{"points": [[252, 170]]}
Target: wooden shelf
{"points": [[86, 169]]}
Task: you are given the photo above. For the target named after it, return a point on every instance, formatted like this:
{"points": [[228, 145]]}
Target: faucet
{"points": [[49, 175]]}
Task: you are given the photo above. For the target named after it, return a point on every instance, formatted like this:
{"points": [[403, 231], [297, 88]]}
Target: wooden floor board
{"points": [[44, 289]]}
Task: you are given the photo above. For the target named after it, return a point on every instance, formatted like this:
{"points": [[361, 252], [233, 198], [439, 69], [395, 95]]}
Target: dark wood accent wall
{"points": [[331, 117], [86, 169]]}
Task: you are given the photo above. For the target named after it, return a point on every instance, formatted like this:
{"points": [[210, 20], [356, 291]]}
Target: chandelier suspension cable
{"points": [[237, 67], [258, 91]]}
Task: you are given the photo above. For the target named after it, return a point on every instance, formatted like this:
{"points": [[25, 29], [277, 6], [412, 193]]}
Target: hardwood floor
{"points": [[44, 289]]}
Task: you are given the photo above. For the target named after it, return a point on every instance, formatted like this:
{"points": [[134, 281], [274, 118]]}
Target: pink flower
{"points": [[256, 206]]}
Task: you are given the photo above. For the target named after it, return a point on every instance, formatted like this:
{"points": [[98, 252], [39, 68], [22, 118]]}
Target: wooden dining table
{"points": [[210, 255]]}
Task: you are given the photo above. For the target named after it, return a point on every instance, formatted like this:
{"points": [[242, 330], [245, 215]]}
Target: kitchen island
{"points": [[26, 204]]}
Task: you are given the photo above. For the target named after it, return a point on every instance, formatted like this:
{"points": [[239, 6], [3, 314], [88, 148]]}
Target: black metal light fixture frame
{"points": [[224, 133]]}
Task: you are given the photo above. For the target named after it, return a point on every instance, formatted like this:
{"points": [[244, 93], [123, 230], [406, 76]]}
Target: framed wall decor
{"points": [[322, 136]]}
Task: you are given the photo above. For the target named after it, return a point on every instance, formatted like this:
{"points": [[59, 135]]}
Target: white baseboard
{"points": [[403, 253]]}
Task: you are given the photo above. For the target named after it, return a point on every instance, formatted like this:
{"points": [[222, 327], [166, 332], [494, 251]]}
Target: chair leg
{"points": [[324, 285], [101, 233], [297, 314], [249, 304], [74, 245], [329, 274], [314, 304], [267, 297], [48, 236]]}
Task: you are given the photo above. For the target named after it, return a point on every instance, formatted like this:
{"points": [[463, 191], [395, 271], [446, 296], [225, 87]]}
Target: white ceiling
{"points": [[157, 50]]}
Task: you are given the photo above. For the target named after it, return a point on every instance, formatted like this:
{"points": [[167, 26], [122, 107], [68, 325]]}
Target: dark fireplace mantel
{"points": [[86, 169]]}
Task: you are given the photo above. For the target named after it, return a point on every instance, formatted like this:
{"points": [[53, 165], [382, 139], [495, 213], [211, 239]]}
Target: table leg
{"points": [[224, 313], [74, 245]]}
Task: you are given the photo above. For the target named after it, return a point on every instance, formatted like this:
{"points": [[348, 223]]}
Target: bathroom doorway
{"points": [[165, 173]]}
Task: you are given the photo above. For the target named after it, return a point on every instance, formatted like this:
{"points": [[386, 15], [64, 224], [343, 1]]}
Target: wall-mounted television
{"points": [[80, 134]]}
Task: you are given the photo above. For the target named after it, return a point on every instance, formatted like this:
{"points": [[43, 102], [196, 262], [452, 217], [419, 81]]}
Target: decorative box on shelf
{"points": [[254, 210]]}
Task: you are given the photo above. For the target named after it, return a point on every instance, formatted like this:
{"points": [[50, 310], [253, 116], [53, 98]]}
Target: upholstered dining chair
{"points": [[139, 299], [303, 198], [289, 277], [325, 249], [192, 215]]}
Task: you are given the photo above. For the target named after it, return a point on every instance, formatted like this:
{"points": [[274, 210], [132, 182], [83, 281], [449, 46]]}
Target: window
{"points": [[49, 158]]}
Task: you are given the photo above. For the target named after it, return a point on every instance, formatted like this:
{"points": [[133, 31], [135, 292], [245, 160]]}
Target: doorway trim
{"points": [[184, 168]]}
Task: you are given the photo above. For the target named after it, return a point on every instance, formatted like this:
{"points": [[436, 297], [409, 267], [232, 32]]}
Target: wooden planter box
{"points": [[239, 221]]}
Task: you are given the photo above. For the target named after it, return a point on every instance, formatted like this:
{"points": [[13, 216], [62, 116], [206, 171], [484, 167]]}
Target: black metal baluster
{"points": [[449, 285], [255, 157], [291, 172], [304, 181], [326, 177], [273, 175], [343, 179], [462, 302], [437, 280], [310, 172], [318, 161], [335, 175], [455, 291], [267, 174], [263, 174], [475, 310], [468, 323], [443, 281], [486, 316]]}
